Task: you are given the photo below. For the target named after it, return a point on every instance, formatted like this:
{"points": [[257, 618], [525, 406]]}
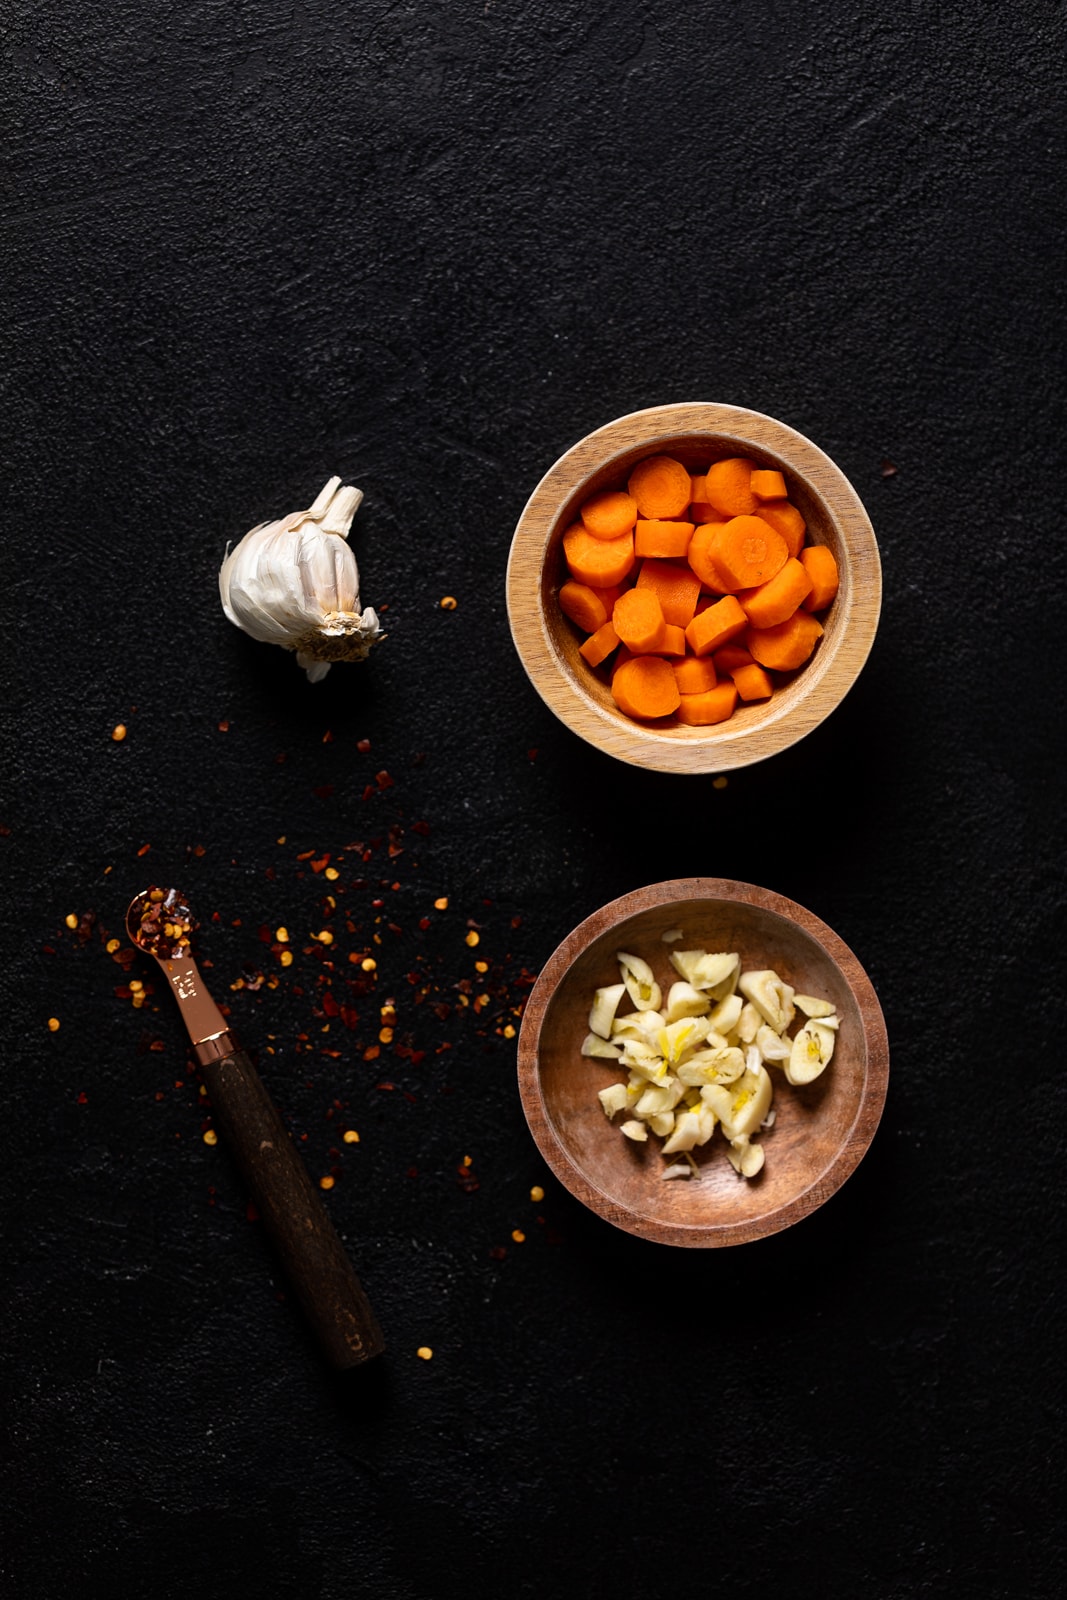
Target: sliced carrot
{"points": [[821, 568], [696, 486], [645, 687], [599, 645], [786, 646], [695, 675], [584, 606], [746, 553], [666, 539], [716, 705], [705, 601], [609, 596], [786, 520], [778, 598], [638, 620], [672, 642], [752, 683], [699, 555], [767, 485], [716, 626], [607, 515], [727, 486], [660, 485], [597, 562], [678, 589], [730, 657]]}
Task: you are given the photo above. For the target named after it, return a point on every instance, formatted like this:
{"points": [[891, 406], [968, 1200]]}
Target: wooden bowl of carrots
{"points": [[820, 1132], [695, 435]]}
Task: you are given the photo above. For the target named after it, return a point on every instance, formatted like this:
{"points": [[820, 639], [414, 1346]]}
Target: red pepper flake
{"points": [[251, 1213], [424, 923], [413, 1172], [280, 760], [83, 1098], [384, 1084], [533, 754], [363, 745], [327, 737], [497, 1253], [368, 791], [305, 855], [224, 727], [350, 1017], [330, 1006], [321, 862], [323, 792], [143, 851], [264, 934], [371, 1053], [888, 469], [516, 922], [421, 827], [383, 780]]}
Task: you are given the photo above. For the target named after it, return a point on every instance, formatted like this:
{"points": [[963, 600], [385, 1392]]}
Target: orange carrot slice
{"points": [[746, 553], [638, 620], [599, 645], [786, 520], [584, 606], [609, 596], [677, 588], [767, 485], [608, 515], [821, 568], [778, 598], [716, 705], [752, 683], [598, 563], [699, 555], [644, 687], [665, 539], [730, 657], [787, 646], [695, 675], [672, 642], [728, 487], [716, 626], [660, 485]]}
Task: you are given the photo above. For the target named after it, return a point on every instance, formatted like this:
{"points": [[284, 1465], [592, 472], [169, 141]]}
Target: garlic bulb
{"points": [[295, 583]]}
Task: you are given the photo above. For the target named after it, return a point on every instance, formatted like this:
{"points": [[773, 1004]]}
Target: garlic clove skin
{"points": [[295, 583]]}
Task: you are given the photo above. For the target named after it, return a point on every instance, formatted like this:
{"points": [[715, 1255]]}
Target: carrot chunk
{"points": [[746, 553], [695, 675], [730, 657], [767, 485], [787, 646], [728, 487], [821, 568], [752, 683], [778, 598], [678, 589], [598, 563], [699, 555], [638, 620], [608, 515], [786, 520], [645, 687], [660, 485], [715, 705], [584, 606], [666, 539], [672, 642], [599, 645], [609, 596], [716, 626]]}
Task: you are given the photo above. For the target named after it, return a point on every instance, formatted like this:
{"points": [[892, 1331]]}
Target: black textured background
{"points": [[428, 246]]}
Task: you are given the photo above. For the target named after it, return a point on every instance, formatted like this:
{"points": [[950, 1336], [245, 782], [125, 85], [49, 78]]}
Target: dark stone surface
{"points": [[429, 247]]}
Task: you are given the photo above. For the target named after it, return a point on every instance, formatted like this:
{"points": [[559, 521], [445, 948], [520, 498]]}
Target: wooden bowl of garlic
{"points": [[703, 1062], [692, 434]]}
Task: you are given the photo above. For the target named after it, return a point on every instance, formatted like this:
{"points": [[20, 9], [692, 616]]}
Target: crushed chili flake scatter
{"points": [[424, 1353], [53, 1024], [719, 783], [383, 780], [143, 851], [210, 1136], [351, 1136], [473, 938], [518, 1236], [363, 745], [118, 732], [326, 1183], [537, 1193]]}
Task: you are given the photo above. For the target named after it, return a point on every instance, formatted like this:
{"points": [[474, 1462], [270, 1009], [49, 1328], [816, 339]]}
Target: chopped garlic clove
{"points": [[640, 983], [662, 1124], [672, 935], [638, 1025], [678, 1037], [605, 1003], [614, 1099], [750, 1100], [635, 1131], [592, 1046], [745, 1158], [812, 1007], [749, 1024], [725, 1016], [807, 1058], [704, 971], [680, 1169], [712, 1066], [772, 997], [771, 1046], [685, 1001], [658, 1098]]}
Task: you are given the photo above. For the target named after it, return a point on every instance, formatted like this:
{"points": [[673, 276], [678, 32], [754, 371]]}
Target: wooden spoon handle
{"points": [[312, 1255]]}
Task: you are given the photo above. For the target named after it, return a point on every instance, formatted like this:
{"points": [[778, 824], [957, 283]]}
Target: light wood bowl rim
{"points": [[855, 1142], [788, 715]]}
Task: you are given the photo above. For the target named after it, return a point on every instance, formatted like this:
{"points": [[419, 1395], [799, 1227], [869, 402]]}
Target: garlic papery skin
{"points": [[295, 583]]}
